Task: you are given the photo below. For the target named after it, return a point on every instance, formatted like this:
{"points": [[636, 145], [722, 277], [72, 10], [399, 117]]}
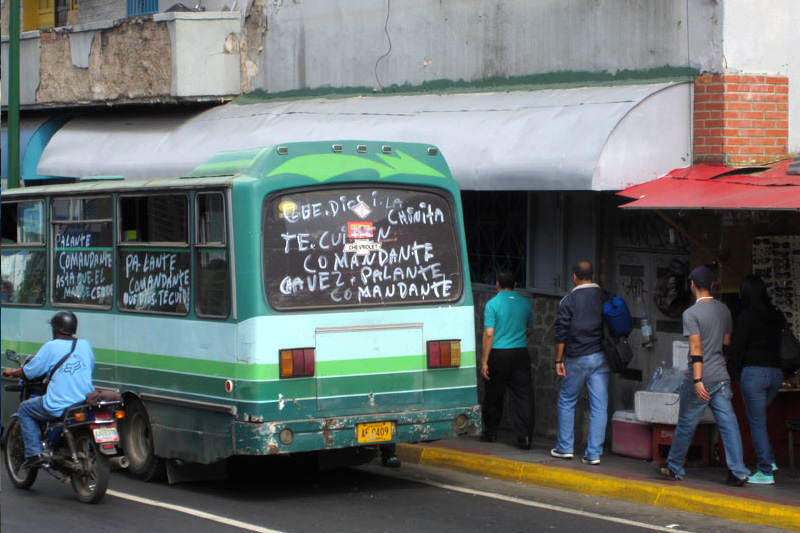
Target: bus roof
{"points": [[91, 186], [320, 161]]}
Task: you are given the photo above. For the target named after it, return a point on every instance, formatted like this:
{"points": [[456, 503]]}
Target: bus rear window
{"points": [[361, 246]]}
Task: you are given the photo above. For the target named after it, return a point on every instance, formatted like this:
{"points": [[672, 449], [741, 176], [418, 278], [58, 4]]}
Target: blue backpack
{"points": [[617, 316]]}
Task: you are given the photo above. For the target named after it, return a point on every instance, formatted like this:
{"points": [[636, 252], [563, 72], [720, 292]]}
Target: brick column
{"points": [[740, 119]]}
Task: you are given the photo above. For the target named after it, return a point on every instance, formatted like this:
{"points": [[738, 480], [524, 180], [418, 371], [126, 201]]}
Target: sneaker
{"points": [[665, 471], [735, 481], [555, 453], [585, 460], [524, 443], [761, 479], [774, 467], [391, 462], [33, 461]]}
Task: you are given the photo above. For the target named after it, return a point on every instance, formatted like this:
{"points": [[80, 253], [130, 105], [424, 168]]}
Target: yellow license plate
{"points": [[374, 432]]}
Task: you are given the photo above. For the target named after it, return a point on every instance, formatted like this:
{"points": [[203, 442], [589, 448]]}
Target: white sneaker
{"points": [[555, 453]]}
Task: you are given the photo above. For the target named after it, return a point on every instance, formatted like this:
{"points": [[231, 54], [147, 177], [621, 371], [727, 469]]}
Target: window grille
{"points": [[496, 228], [142, 7]]}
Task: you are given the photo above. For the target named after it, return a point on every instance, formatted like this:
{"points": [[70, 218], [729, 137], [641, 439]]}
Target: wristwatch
{"points": [[698, 380]]}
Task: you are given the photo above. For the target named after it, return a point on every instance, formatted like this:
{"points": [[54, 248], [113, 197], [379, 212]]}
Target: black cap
{"points": [[702, 277]]}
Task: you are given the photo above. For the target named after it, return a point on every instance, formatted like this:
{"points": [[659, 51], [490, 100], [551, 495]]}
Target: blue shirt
{"points": [[509, 313], [73, 379]]}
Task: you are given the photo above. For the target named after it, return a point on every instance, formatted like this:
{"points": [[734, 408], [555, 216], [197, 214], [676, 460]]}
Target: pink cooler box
{"points": [[631, 437]]}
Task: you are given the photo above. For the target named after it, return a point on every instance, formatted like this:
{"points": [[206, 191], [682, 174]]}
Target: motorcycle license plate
{"points": [[374, 432], [105, 435]]}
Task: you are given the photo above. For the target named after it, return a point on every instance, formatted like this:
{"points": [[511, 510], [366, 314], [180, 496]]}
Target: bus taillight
{"points": [[444, 354], [297, 362]]}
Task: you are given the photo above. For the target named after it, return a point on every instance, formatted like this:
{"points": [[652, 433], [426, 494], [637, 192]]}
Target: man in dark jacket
{"points": [[580, 360]]}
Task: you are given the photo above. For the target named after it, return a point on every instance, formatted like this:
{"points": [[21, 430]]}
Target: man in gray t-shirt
{"points": [[711, 320], [708, 326]]}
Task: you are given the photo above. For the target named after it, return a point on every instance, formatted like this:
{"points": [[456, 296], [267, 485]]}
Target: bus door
{"points": [[364, 375]]}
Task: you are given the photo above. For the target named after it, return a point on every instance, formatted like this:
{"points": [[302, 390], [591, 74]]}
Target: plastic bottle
{"points": [[655, 378], [647, 331]]}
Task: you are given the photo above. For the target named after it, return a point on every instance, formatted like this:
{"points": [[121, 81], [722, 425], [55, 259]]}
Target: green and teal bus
{"points": [[294, 298]]}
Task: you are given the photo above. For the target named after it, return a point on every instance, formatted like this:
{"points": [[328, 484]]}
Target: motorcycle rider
{"points": [[68, 385]]}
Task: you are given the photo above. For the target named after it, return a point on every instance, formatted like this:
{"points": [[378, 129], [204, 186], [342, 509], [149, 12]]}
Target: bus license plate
{"points": [[374, 432], [105, 435]]}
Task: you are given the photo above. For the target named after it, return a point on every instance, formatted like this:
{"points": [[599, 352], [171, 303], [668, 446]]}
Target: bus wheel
{"points": [[137, 442]]}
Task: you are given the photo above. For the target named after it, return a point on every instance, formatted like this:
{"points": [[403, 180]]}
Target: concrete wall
{"points": [[763, 38], [90, 11], [171, 55], [341, 43], [205, 50], [29, 56], [207, 5]]}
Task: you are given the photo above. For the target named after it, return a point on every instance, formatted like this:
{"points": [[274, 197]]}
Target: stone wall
{"points": [[111, 74], [4, 18], [545, 381], [252, 45]]}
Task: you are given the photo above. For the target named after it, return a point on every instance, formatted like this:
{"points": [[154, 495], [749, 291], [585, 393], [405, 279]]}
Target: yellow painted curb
{"points": [[672, 496]]}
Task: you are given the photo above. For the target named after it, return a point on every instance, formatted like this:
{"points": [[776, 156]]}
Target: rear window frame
{"points": [[444, 194]]}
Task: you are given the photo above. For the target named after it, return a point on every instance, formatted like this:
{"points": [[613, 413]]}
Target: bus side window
{"points": [[153, 257], [212, 278], [83, 257], [23, 255]]}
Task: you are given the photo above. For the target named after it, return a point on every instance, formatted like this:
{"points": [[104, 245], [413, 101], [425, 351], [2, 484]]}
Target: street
{"points": [[269, 497]]}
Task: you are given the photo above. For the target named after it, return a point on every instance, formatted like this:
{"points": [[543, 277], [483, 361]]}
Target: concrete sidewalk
{"points": [[703, 491]]}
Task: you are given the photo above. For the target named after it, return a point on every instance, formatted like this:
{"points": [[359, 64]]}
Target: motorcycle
{"points": [[77, 447]]}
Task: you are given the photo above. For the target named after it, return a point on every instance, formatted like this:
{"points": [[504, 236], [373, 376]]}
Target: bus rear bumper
{"points": [[270, 438]]}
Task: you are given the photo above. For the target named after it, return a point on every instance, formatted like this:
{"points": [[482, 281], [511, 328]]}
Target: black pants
{"points": [[509, 369]]}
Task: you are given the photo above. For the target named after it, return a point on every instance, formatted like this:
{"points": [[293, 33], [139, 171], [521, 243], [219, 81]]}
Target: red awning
{"points": [[716, 186]]}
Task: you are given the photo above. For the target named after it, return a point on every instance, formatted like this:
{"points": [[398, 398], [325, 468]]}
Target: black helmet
{"points": [[64, 322]]}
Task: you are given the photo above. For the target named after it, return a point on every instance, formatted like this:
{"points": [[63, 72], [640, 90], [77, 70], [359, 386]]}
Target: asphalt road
{"points": [[266, 497]]}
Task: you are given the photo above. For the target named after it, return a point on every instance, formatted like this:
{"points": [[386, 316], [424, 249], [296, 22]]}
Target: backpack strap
{"points": [[61, 362]]}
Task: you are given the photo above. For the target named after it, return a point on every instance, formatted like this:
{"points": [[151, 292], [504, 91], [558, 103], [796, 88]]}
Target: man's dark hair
{"points": [[583, 271], [506, 279]]}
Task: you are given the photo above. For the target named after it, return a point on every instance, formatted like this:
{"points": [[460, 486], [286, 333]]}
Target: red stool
{"points": [[699, 453]]}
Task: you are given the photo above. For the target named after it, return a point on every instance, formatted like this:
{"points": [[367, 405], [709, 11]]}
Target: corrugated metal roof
{"points": [[521, 140], [716, 186]]}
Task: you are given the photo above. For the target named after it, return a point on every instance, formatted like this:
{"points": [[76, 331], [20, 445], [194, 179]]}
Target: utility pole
{"points": [[13, 94]]}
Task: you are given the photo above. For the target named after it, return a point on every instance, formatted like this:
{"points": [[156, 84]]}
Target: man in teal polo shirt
{"points": [[506, 363]]}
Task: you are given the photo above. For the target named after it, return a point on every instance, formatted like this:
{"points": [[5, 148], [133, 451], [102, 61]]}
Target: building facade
{"points": [[555, 105]]}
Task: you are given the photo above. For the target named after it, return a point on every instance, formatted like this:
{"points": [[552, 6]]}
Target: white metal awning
{"points": [[591, 138]]}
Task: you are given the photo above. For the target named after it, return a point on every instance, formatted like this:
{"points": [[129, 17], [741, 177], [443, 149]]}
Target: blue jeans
{"points": [[592, 370], [30, 412], [760, 385], [690, 412]]}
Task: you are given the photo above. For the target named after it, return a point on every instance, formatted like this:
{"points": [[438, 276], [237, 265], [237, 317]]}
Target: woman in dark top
{"points": [[755, 345]]}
